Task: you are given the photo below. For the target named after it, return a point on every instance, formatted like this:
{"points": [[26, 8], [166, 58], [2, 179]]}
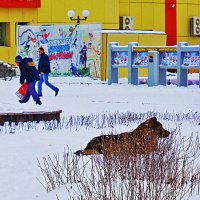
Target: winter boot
{"points": [[56, 92], [39, 102], [22, 101]]}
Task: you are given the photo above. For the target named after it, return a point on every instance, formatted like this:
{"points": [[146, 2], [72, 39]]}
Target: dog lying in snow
{"points": [[144, 139]]}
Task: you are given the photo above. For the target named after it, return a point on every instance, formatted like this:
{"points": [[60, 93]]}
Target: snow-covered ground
{"points": [[20, 149]]}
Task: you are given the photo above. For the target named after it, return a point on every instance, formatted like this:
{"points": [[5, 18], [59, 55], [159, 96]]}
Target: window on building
{"points": [[2, 34], [22, 23]]}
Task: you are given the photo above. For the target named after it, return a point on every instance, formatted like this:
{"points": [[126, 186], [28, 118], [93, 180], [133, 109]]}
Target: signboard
{"points": [[191, 59], [160, 49], [140, 58], [169, 59], [72, 49], [20, 3], [120, 58]]}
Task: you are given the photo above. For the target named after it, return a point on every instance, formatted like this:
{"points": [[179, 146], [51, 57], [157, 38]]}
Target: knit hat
{"points": [[18, 59]]}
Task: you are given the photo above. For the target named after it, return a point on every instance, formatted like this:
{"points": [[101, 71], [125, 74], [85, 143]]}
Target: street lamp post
{"points": [[85, 14]]}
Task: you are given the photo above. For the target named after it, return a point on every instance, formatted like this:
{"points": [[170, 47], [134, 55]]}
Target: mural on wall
{"points": [[72, 49]]}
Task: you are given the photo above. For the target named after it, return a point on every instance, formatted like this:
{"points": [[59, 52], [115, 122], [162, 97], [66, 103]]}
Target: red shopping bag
{"points": [[22, 91]]}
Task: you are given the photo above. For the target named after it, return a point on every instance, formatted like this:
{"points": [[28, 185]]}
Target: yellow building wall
{"points": [[148, 15], [4, 53], [186, 9]]}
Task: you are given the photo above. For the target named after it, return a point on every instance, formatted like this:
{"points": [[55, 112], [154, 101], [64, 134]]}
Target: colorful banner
{"points": [[20, 3], [72, 49]]}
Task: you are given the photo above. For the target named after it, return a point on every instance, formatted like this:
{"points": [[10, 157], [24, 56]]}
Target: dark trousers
{"points": [[31, 92]]}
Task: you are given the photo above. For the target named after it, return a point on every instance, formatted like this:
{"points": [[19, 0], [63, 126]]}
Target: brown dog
{"points": [[144, 139]]}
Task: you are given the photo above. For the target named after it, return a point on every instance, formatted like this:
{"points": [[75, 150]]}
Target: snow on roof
{"points": [[132, 32]]}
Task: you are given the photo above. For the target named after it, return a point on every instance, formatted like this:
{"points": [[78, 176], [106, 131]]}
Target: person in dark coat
{"points": [[44, 70], [28, 74]]}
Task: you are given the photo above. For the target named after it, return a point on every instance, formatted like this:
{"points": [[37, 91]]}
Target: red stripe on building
{"points": [[170, 22], [20, 3]]}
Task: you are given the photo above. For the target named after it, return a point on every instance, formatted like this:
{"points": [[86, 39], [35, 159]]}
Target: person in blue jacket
{"points": [[28, 74], [44, 70]]}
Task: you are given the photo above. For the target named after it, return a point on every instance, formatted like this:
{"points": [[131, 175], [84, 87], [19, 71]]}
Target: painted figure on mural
{"points": [[93, 55], [27, 44], [91, 37], [74, 44], [27, 41], [28, 74], [71, 30], [44, 70], [44, 36], [92, 59], [73, 69], [83, 55]]}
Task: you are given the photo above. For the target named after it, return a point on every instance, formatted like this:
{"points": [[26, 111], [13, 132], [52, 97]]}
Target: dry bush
{"points": [[169, 173]]}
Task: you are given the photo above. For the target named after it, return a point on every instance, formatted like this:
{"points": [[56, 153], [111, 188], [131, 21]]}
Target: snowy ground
{"points": [[78, 96]]}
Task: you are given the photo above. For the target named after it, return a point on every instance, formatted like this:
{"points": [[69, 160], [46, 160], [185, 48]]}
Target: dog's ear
{"points": [[151, 121], [154, 119]]}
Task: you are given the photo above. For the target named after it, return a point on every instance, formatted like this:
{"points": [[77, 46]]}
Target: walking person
{"points": [[44, 70], [28, 74]]}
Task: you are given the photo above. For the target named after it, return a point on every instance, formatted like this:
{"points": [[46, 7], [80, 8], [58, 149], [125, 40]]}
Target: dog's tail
{"points": [[86, 152]]}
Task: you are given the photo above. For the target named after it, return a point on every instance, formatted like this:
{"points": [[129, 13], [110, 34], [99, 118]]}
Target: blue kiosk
{"points": [[118, 57], [157, 59], [188, 58]]}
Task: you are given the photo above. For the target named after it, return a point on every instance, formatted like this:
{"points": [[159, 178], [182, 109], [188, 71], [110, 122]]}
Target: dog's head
{"points": [[156, 127]]}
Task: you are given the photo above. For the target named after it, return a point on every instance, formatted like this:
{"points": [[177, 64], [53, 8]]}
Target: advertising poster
{"points": [[120, 58], [169, 59], [140, 58], [72, 49], [191, 59]]}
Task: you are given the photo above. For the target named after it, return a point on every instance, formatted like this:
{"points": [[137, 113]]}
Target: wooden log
{"points": [[30, 116]]}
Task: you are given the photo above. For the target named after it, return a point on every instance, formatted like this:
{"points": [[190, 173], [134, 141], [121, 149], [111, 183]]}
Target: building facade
{"points": [[170, 16]]}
